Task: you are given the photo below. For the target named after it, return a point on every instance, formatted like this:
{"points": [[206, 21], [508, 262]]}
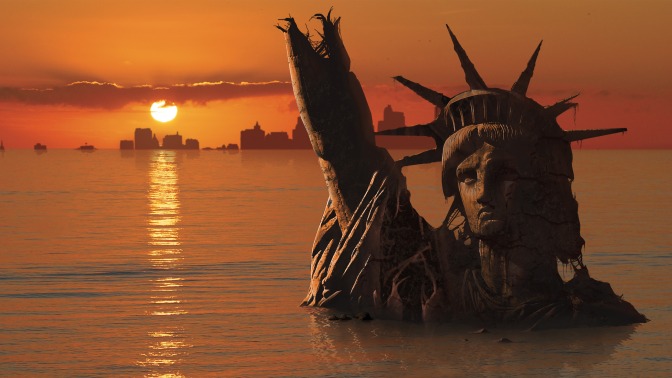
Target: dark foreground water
{"points": [[164, 263]]}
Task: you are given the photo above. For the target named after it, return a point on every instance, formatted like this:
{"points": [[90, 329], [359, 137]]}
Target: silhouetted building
{"points": [[191, 144], [253, 138], [145, 140], [40, 147], [232, 147], [257, 139], [278, 140], [391, 119], [126, 145], [173, 142], [394, 120], [300, 139]]}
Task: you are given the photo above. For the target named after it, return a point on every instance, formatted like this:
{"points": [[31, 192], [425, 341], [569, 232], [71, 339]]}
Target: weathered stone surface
{"points": [[507, 165]]}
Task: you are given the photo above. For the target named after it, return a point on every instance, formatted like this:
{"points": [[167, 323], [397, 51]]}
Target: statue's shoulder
{"points": [[594, 303], [585, 302]]}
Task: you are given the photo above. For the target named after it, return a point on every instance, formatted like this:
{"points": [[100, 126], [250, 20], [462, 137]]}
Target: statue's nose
{"points": [[483, 192], [484, 188]]}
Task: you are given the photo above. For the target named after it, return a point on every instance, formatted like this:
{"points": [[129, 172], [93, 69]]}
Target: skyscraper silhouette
{"points": [[145, 140]]}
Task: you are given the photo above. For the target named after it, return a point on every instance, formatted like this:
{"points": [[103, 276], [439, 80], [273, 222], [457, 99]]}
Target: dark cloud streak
{"points": [[91, 94]]}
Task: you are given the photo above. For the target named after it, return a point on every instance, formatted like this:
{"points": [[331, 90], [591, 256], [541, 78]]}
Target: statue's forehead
{"points": [[489, 154]]}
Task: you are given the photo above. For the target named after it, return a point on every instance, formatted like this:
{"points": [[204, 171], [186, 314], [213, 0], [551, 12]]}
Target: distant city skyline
{"points": [[145, 139], [257, 138]]}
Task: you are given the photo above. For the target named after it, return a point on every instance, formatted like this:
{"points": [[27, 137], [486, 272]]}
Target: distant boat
{"points": [[40, 147], [2, 146], [86, 148]]}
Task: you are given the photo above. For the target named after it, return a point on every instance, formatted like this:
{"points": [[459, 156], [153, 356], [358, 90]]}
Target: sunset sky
{"points": [[87, 71]]}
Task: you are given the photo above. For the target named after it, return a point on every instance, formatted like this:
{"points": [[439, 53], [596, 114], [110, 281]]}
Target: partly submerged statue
{"points": [[507, 165]]}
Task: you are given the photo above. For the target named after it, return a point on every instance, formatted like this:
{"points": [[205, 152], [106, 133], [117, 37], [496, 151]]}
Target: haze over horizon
{"points": [[75, 71]]}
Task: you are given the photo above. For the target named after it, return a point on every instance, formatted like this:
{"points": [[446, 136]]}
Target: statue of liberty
{"points": [[506, 166]]}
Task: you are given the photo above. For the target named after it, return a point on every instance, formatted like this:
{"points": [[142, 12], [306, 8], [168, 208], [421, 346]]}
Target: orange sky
{"points": [[616, 53]]}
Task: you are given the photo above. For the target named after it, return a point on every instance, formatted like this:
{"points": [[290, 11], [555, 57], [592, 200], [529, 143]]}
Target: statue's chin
{"points": [[488, 228]]}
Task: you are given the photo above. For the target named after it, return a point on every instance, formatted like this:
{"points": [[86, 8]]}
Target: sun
{"points": [[163, 111]]}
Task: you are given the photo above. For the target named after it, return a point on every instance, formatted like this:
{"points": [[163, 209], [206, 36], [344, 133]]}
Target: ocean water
{"points": [[192, 264]]}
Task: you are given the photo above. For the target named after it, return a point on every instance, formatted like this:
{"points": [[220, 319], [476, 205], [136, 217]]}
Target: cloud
{"points": [[93, 94]]}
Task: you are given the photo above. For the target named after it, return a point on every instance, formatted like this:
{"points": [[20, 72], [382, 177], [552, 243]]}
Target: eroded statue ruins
{"points": [[506, 165]]}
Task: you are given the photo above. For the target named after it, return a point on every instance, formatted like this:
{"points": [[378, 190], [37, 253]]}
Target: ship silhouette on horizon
{"points": [[86, 148]]}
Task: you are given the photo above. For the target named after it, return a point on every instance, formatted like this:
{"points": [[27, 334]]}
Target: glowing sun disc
{"points": [[163, 112]]}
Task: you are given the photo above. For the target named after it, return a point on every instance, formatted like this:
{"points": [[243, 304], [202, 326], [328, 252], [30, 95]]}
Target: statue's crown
{"points": [[481, 104]]}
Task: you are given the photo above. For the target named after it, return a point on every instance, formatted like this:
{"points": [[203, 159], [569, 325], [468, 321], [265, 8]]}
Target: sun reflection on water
{"points": [[167, 345]]}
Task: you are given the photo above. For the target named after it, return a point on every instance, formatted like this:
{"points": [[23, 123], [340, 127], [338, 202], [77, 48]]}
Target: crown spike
{"points": [[577, 135], [473, 78], [561, 106], [425, 157], [417, 130], [520, 86], [434, 130], [435, 98]]}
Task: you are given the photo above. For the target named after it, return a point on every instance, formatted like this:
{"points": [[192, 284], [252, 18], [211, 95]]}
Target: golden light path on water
{"points": [[167, 344]]}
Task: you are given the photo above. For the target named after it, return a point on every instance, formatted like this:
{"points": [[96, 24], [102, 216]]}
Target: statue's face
{"points": [[487, 184]]}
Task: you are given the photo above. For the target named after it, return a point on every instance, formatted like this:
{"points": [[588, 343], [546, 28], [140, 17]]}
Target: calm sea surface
{"points": [[165, 263]]}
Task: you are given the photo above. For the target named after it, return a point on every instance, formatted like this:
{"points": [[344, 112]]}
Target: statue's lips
{"points": [[489, 223], [487, 214]]}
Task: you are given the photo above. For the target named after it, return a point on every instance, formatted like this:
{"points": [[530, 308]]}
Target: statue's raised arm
{"points": [[335, 112]]}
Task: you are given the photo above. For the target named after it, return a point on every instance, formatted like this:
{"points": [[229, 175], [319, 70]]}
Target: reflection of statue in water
{"points": [[507, 165]]}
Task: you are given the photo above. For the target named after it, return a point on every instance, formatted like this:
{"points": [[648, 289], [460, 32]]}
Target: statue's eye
{"points": [[467, 176]]}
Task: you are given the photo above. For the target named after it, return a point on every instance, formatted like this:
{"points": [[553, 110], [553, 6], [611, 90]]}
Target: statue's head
{"points": [[508, 169], [507, 164]]}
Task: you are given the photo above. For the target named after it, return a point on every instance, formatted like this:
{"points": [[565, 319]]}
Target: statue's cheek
{"points": [[509, 190], [468, 195]]}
